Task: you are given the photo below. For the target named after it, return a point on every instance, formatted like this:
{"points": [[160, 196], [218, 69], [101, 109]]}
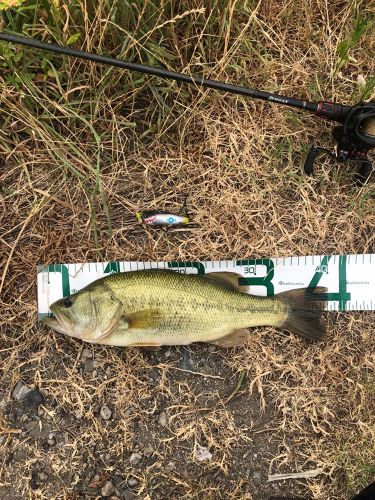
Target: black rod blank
{"points": [[162, 73]]}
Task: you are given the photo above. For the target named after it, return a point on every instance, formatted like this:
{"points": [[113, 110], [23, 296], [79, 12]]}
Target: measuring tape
{"points": [[350, 279]]}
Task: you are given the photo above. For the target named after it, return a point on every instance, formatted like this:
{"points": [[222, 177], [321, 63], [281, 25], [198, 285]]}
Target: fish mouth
{"points": [[58, 322]]}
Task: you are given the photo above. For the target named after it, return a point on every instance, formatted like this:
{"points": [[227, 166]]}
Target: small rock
{"points": [[187, 362], [257, 476], [18, 412], [33, 398], [132, 482], [94, 481], [170, 466], [212, 348], [20, 391], [77, 414], [107, 489], [135, 458], [51, 441], [202, 454], [105, 412], [86, 353], [107, 458], [148, 451], [128, 495], [90, 474], [43, 476], [163, 419]]}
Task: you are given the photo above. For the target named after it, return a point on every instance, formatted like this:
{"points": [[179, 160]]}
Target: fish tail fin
{"points": [[305, 308]]}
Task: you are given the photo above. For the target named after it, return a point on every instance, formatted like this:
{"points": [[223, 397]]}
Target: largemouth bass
{"points": [[154, 308]]}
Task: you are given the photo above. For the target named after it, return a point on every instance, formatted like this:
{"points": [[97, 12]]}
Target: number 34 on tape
{"points": [[350, 279]]}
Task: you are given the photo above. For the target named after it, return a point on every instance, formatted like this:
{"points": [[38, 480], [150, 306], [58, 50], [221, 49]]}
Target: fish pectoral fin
{"points": [[227, 279], [236, 337], [144, 320]]}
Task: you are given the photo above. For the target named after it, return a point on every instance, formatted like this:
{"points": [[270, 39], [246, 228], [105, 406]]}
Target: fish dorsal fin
{"points": [[236, 337], [228, 279], [143, 320], [225, 278]]}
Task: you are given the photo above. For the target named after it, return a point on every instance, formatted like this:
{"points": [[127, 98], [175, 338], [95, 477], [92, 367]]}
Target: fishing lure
{"points": [[161, 218]]}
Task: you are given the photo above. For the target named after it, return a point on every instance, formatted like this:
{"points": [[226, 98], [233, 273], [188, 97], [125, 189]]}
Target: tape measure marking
{"points": [[350, 279]]}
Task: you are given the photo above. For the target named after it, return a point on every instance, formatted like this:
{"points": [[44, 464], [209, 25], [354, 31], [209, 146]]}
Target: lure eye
{"points": [[68, 302]]}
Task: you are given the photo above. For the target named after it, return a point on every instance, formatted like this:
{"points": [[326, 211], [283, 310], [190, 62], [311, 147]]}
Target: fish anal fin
{"points": [[236, 337], [228, 279], [144, 320], [147, 346]]}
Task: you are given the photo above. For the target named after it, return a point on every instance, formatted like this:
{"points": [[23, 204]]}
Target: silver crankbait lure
{"points": [[161, 218]]}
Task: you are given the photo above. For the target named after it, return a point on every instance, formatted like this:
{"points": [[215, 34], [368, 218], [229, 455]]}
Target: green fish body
{"points": [[154, 308]]}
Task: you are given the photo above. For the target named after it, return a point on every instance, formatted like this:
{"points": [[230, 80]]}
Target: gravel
{"points": [[163, 419], [135, 458], [30, 398], [20, 391], [202, 454], [105, 412], [107, 489]]}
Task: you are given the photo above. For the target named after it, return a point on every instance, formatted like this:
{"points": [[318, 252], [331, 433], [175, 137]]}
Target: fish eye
{"points": [[68, 302]]}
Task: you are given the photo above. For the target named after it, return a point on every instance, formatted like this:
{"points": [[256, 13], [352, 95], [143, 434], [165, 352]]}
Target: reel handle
{"points": [[361, 177], [314, 152]]}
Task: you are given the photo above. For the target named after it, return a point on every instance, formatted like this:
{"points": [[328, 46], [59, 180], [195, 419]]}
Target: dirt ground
{"points": [[82, 148]]}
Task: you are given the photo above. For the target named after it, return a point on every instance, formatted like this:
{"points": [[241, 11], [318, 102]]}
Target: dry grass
{"points": [[86, 146]]}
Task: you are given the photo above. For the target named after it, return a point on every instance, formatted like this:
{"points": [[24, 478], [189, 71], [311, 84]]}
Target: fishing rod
{"points": [[355, 136]]}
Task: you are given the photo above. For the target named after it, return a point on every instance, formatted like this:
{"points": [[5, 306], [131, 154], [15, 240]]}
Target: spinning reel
{"points": [[355, 136]]}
